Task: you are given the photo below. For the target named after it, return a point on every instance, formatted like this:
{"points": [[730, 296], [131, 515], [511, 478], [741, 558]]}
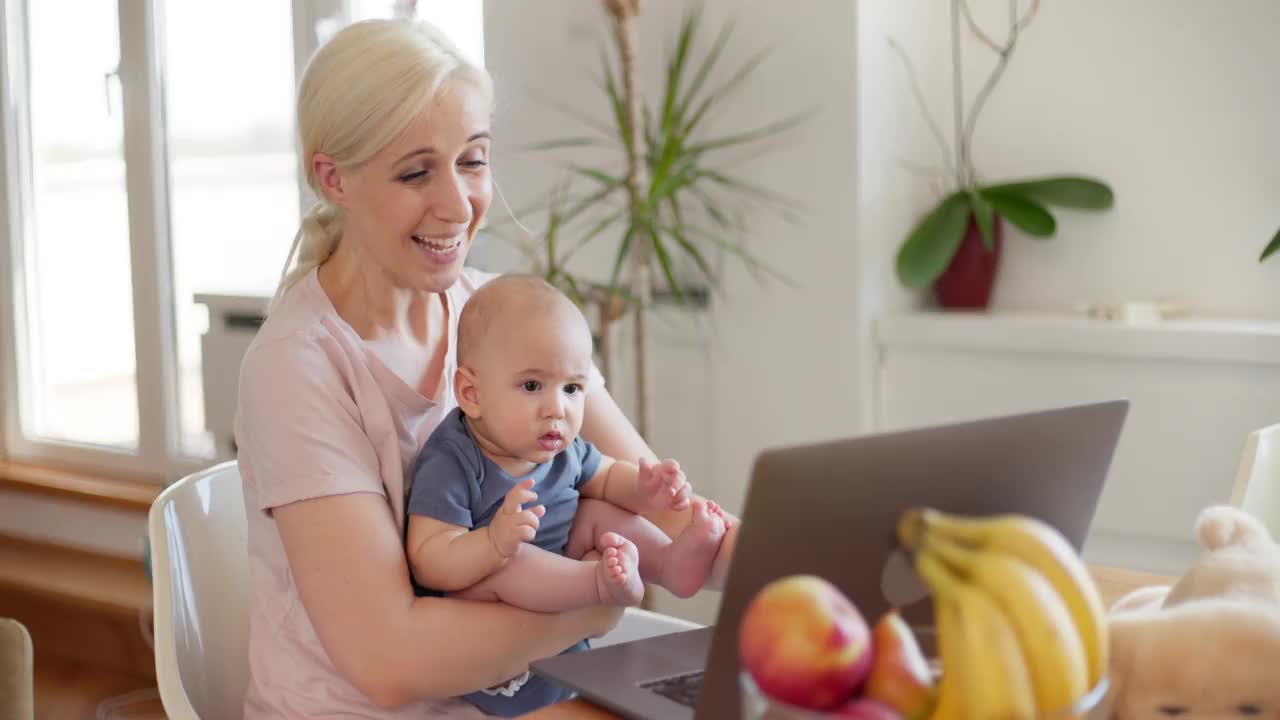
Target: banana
{"points": [[1039, 545], [950, 687], [1046, 632], [980, 649]]}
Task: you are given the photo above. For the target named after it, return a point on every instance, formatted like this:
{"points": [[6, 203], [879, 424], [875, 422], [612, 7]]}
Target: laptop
{"points": [[829, 509]]}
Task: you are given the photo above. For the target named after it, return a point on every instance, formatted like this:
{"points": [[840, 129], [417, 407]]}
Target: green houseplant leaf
{"points": [[984, 217], [933, 242], [1024, 213], [1066, 191], [1272, 246]]}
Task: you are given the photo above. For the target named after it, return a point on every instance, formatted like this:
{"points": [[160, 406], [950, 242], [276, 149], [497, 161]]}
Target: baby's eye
{"points": [[572, 388], [532, 386], [1248, 709], [1172, 710]]}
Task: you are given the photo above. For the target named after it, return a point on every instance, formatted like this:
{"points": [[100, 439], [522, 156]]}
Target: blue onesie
{"points": [[452, 481]]}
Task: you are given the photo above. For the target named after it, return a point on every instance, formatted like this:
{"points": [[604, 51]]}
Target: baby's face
{"points": [[532, 386]]}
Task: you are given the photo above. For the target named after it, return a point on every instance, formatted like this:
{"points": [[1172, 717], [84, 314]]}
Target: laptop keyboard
{"points": [[680, 688]]}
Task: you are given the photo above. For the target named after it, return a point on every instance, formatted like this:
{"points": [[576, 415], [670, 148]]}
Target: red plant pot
{"points": [[966, 283]]}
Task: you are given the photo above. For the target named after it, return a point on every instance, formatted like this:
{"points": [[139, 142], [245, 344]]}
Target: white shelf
{"points": [[1249, 342]]}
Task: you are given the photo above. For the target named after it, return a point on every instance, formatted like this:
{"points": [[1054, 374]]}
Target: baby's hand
{"points": [[663, 485], [511, 525]]}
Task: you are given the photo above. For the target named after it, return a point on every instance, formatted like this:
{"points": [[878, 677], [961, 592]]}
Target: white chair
{"points": [[201, 592], [1257, 487]]}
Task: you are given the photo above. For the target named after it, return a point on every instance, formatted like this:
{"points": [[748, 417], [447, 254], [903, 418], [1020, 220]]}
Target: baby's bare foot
{"points": [[618, 579], [690, 556]]}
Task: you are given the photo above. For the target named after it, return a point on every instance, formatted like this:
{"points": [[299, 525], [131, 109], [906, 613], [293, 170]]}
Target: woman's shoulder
{"points": [[300, 337]]}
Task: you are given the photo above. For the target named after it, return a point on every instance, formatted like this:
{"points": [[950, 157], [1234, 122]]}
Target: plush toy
{"points": [[1209, 646]]}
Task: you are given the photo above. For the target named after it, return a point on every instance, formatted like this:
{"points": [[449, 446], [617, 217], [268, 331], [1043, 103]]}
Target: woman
{"points": [[348, 376]]}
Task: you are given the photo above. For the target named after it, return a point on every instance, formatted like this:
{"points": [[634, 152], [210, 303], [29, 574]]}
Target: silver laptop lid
{"points": [[829, 509]]}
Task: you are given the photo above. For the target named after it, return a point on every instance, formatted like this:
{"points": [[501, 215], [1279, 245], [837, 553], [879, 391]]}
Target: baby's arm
{"points": [[639, 488], [450, 557]]}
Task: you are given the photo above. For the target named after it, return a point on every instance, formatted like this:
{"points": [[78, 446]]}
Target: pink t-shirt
{"points": [[320, 415]]}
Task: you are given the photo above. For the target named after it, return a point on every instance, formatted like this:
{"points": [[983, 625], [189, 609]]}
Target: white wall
{"points": [[1173, 102]]}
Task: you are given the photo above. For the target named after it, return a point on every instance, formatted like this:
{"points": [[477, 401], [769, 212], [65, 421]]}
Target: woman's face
{"points": [[413, 209]]}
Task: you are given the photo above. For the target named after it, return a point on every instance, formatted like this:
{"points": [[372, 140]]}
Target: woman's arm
{"points": [[393, 646], [606, 427]]}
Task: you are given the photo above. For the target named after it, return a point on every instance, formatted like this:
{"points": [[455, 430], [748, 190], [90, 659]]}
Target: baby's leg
{"points": [[681, 566], [542, 581]]}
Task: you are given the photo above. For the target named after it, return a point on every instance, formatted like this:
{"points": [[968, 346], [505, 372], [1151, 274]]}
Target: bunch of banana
{"points": [[1021, 628]]}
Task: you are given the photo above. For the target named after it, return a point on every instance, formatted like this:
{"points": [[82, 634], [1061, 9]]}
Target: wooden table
{"points": [[1112, 583]]}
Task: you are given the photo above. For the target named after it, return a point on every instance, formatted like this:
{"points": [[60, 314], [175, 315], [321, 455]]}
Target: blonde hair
{"points": [[358, 93]]}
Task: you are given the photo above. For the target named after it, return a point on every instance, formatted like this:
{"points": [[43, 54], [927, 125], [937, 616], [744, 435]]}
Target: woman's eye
{"points": [[473, 164], [532, 385], [1172, 710], [572, 388], [1249, 710], [413, 176]]}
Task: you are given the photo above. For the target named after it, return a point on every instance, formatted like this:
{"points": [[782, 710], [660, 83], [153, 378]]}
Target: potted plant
{"points": [[1271, 247], [671, 206], [955, 248]]}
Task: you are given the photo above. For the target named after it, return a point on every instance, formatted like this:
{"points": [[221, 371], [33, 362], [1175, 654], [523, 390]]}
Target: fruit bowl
{"points": [[757, 706]]}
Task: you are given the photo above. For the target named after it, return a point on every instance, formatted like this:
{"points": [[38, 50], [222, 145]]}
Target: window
{"points": [[129, 167]]}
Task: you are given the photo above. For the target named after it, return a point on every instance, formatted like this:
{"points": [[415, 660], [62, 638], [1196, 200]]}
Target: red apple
{"points": [[867, 709], [805, 643], [900, 676]]}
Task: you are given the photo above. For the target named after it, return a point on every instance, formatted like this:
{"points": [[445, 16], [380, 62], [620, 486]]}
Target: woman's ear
{"points": [[329, 177], [467, 392]]}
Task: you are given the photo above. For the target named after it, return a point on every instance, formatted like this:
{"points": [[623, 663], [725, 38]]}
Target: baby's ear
{"points": [[466, 392]]}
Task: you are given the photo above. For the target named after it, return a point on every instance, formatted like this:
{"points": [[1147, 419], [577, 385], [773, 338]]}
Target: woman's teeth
{"points": [[440, 246]]}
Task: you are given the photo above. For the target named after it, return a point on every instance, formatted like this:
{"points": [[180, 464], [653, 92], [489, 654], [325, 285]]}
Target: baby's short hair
{"points": [[500, 296]]}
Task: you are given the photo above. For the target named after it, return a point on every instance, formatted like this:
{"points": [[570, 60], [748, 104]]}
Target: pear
{"points": [[900, 676]]}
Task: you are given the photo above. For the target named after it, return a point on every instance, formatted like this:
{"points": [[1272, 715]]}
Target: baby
{"points": [[524, 371]]}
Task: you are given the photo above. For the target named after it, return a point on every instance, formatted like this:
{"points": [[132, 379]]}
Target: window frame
{"points": [[158, 456]]}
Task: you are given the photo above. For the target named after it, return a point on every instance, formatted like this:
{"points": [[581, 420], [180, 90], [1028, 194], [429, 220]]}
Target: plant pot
{"points": [[966, 283]]}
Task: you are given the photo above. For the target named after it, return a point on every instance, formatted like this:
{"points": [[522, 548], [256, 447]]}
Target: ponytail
{"points": [[317, 238]]}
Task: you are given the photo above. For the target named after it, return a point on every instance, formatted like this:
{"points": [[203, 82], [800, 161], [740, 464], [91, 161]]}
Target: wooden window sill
{"points": [[80, 486]]}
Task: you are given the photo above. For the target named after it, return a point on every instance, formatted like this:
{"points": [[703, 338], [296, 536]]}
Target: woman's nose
{"points": [[450, 202]]}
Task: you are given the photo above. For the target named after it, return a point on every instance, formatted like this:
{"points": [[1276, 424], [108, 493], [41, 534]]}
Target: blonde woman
{"points": [[353, 370]]}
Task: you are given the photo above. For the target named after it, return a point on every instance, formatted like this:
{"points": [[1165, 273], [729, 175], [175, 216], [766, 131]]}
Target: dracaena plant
{"points": [[1271, 247], [1025, 204], [669, 206]]}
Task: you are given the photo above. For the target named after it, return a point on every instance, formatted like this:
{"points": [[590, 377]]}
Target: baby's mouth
{"points": [[551, 441]]}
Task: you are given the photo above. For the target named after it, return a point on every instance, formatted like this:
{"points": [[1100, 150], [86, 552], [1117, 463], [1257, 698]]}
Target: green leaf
{"points": [[675, 70], [933, 242], [760, 133], [1026, 214], [664, 260], [1272, 246], [726, 89], [624, 249], [982, 215], [681, 236], [704, 71], [600, 176], [570, 142], [1081, 193]]}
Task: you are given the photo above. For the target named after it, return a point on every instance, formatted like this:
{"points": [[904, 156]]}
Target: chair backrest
{"points": [[1257, 487], [17, 701], [201, 591]]}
